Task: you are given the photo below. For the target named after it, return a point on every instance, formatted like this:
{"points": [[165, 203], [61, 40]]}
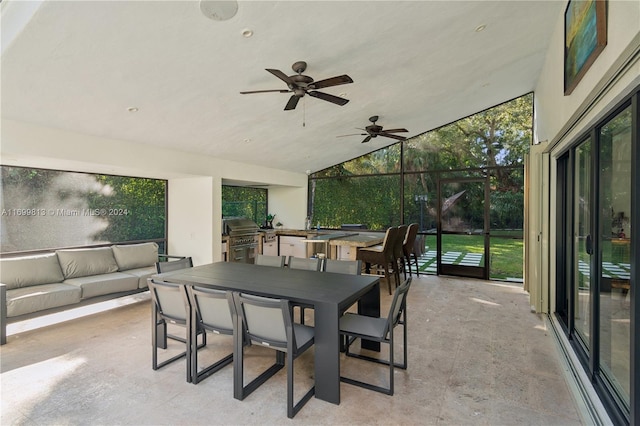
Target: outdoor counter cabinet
{"points": [[330, 294]]}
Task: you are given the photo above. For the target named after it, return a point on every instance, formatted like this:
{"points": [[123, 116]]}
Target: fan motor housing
{"points": [[301, 80]]}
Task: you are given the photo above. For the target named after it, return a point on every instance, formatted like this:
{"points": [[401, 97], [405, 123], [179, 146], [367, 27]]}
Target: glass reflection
{"points": [[615, 264]]}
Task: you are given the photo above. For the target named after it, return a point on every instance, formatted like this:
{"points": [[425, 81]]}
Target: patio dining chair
{"points": [[354, 326], [312, 264], [212, 312], [352, 267], [174, 265], [267, 260], [170, 305], [267, 322]]}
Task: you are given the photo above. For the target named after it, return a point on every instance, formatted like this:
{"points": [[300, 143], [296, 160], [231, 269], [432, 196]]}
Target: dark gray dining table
{"points": [[330, 294]]}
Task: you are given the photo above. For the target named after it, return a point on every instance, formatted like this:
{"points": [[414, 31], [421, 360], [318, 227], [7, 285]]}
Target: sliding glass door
{"points": [[614, 205], [582, 242], [597, 201]]}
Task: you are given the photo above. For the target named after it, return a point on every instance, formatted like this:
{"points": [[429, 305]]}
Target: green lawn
{"points": [[506, 254]]}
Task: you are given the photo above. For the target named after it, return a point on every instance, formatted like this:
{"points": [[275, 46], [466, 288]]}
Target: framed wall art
{"points": [[585, 36]]}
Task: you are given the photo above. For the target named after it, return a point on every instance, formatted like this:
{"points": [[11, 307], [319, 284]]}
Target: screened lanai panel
{"points": [[240, 201], [421, 200], [45, 209], [506, 223], [382, 161], [370, 200], [499, 136]]}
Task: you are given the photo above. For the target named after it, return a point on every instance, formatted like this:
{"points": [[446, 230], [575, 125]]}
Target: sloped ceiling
{"points": [[79, 65]]}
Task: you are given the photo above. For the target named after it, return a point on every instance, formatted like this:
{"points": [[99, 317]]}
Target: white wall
{"points": [[285, 204], [190, 228], [195, 193], [553, 109], [561, 119]]}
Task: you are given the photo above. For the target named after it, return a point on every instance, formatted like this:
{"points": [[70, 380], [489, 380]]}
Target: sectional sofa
{"points": [[43, 283]]}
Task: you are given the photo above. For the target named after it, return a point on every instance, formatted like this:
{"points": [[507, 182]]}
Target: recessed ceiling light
{"points": [[480, 28], [246, 33], [343, 95], [132, 109], [218, 10], [247, 140]]}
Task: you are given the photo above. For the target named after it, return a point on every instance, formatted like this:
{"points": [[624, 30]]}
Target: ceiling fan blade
{"points": [[389, 135], [329, 82], [282, 76], [329, 98], [293, 102], [367, 139], [396, 131], [264, 91], [352, 134]]}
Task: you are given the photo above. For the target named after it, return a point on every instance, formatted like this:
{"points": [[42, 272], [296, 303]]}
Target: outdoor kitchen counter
{"points": [[300, 232], [359, 240], [354, 242]]}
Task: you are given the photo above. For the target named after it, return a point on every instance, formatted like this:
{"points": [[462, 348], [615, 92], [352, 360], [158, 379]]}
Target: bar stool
{"points": [[382, 255]]}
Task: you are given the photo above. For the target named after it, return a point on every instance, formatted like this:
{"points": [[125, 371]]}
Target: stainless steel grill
{"points": [[243, 239]]}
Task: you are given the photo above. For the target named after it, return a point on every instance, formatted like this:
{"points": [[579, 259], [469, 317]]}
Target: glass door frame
{"points": [[481, 272], [590, 356]]}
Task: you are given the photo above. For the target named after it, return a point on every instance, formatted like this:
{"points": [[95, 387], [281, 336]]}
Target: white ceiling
{"points": [[78, 65]]}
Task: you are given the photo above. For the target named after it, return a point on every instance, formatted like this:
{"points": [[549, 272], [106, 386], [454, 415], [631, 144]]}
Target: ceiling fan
{"points": [[373, 131], [300, 85]]}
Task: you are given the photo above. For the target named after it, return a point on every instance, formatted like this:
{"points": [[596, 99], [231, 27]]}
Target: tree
{"points": [[491, 142]]}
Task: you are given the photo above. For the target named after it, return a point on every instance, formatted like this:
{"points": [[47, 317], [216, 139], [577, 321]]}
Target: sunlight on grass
{"points": [[507, 253]]}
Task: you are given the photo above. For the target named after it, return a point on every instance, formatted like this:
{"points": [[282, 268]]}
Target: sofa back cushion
{"points": [[134, 256], [30, 270], [85, 262]]}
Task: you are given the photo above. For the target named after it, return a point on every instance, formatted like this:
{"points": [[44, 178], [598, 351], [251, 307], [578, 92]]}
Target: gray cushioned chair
{"points": [[266, 260], [171, 305], [212, 312], [267, 322], [174, 265], [304, 263], [354, 326], [351, 267], [313, 264]]}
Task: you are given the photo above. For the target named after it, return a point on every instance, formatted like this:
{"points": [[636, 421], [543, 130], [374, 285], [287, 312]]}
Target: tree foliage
{"points": [[45, 209], [135, 208], [491, 144], [239, 201]]}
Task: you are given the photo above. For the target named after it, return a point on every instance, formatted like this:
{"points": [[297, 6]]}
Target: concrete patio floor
{"points": [[477, 356]]}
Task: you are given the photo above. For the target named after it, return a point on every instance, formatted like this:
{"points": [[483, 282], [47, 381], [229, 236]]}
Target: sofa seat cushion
{"points": [[30, 271], [98, 285], [26, 300], [133, 256], [142, 274], [86, 262]]}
